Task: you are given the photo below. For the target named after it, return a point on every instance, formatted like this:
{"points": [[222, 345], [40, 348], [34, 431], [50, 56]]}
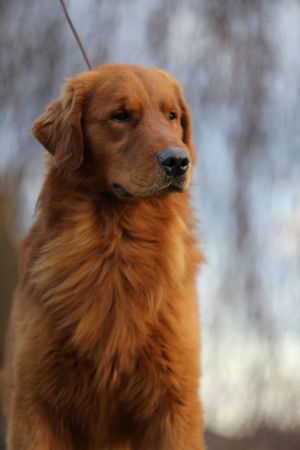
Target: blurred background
{"points": [[239, 64]]}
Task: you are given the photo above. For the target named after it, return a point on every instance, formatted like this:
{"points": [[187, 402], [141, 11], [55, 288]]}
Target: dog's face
{"points": [[125, 129]]}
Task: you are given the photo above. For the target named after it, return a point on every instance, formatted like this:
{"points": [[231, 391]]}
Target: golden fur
{"points": [[103, 345]]}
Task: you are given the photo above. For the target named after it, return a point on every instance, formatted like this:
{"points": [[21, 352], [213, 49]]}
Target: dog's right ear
{"points": [[59, 130]]}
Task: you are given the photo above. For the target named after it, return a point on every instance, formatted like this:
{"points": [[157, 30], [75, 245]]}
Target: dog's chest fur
{"points": [[105, 278]]}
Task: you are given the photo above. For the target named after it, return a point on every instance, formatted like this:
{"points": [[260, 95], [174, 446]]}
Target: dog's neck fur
{"points": [[92, 248]]}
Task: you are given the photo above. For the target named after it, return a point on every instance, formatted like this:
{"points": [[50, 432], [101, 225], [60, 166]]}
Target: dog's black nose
{"points": [[174, 161]]}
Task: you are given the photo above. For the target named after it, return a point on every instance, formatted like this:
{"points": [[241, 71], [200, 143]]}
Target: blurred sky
{"points": [[239, 63]]}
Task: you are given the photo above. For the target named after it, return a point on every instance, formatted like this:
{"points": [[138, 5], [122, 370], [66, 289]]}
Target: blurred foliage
{"points": [[8, 254]]}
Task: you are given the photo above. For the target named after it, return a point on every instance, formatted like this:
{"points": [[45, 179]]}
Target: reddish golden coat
{"points": [[103, 348]]}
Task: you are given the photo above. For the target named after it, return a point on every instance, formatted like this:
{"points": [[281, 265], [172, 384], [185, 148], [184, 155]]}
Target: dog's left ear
{"points": [[59, 130]]}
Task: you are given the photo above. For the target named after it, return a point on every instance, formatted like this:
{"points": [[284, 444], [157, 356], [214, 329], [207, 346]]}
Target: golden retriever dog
{"points": [[103, 343]]}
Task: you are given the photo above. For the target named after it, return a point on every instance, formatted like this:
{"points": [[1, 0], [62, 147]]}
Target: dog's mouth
{"points": [[175, 184], [120, 191], [169, 185]]}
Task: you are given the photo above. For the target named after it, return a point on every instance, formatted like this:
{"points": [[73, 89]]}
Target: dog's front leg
{"points": [[176, 429], [28, 430]]}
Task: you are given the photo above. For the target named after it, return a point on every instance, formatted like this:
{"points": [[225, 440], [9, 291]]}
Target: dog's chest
{"points": [[106, 289], [96, 395]]}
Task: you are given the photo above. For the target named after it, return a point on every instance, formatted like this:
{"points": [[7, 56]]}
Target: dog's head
{"points": [[122, 128]]}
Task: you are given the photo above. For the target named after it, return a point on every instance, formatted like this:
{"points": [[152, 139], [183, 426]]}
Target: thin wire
{"points": [[84, 54]]}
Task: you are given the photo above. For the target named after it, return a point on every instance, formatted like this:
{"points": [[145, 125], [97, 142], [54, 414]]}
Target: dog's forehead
{"points": [[134, 82]]}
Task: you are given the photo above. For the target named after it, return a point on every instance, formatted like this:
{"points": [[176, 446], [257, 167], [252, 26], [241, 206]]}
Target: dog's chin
{"points": [[169, 189], [171, 185], [178, 185]]}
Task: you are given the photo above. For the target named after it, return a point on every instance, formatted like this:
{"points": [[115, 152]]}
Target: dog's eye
{"points": [[172, 116], [121, 116]]}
